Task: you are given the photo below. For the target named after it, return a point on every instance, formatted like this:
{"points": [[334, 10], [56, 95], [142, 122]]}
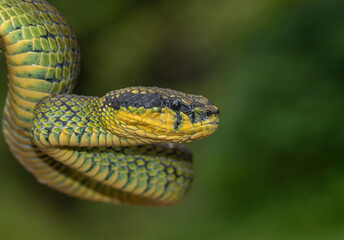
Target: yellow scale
{"points": [[92, 152]]}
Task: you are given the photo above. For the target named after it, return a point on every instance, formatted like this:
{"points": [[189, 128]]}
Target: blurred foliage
{"points": [[273, 170]]}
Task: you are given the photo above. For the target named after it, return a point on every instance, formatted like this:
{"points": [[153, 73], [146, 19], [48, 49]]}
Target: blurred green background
{"points": [[273, 170]]}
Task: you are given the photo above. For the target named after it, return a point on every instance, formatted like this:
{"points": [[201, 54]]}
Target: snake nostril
{"points": [[123, 134], [209, 113]]}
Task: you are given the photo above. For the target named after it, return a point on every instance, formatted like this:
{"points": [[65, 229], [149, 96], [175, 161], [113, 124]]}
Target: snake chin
{"points": [[155, 115], [108, 149]]}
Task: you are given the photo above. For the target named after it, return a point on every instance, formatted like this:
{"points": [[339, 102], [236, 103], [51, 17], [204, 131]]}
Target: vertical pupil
{"points": [[175, 104]]}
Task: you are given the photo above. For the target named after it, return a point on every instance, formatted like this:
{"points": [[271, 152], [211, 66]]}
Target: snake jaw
{"points": [[176, 119], [89, 147]]}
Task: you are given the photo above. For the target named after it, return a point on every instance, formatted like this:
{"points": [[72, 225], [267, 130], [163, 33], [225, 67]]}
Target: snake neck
{"points": [[73, 121], [43, 60]]}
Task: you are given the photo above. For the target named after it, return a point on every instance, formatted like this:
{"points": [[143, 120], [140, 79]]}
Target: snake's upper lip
{"points": [[214, 122]]}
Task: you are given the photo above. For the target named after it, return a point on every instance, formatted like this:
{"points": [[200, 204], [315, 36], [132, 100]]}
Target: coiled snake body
{"points": [[121, 148]]}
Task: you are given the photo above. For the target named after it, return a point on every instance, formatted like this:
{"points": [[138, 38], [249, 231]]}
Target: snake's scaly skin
{"points": [[65, 141]]}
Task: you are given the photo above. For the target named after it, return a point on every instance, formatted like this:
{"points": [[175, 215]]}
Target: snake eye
{"points": [[176, 104]]}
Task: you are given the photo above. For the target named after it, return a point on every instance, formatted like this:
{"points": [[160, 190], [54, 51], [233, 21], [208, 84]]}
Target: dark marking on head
{"points": [[132, 98], [196, 107], [192, 117], [177, 121]]}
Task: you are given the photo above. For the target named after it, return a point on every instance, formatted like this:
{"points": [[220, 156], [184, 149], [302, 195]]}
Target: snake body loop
{"points": [[120, 148]]}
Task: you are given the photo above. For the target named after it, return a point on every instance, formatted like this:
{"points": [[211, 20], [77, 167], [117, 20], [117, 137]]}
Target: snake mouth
{"points": [[213, 122], [204, 130]]}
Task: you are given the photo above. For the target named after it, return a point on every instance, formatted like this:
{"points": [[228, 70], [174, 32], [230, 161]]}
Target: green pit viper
{"points": [[123, 147]]}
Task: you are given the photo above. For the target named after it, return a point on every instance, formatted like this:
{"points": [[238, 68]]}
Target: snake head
{"points": [[158, 114]]}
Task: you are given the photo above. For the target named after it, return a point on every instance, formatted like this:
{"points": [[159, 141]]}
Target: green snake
{"points": [[123, 147]]}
